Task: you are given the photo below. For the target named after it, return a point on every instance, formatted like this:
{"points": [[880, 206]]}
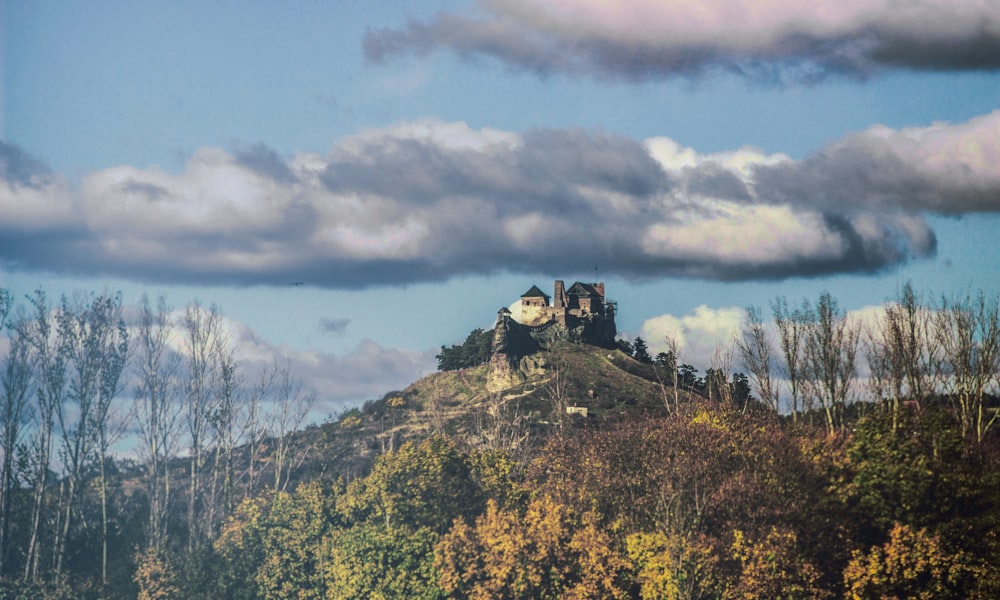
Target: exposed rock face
{"points": [[503, 365]]}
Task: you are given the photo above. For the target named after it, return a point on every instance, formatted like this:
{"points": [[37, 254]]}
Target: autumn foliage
{"points": [[710, 503]]}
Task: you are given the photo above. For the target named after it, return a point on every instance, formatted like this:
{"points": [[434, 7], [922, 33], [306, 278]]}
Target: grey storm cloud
{"points": [[636, 40], [430, 200]]}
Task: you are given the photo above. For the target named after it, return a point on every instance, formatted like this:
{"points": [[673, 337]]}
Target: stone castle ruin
{"points": [[580, 314]]}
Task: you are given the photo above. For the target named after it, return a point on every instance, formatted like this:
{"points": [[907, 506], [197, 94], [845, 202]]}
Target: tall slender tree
{"points": [[791, 323], [831, 345], [968, 332], [97, 347], [51, 352], [15, 386], [755, 350], [202, 342], [156, 411]]}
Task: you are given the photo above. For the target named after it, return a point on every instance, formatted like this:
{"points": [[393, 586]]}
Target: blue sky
{"points": [[419, 165]]}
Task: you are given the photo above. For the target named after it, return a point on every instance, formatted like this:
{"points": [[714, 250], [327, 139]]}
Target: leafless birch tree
{"points": [[51, 357], [791, 325], [156, 410], [755, 345], [202, 343], [831, 345], [968, 332]]}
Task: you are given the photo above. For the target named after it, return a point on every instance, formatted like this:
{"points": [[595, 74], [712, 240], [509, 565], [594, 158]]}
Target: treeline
{"points": [[815, 359], [200, 434], [710, 502]]}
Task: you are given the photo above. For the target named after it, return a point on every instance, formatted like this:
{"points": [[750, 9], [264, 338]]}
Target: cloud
{"points": [[638, 40], [339, 381], [428, 201], [697, 334], [334, 326]]}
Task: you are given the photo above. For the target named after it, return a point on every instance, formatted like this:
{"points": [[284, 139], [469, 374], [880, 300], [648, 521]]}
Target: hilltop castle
{"points": [[581, 313]]}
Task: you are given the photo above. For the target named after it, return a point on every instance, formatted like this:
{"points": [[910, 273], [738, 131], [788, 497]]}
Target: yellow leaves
{"points": [[772, 568], [669, 567], [350, 422], [549, 552], [155, 576], [911, 564]]}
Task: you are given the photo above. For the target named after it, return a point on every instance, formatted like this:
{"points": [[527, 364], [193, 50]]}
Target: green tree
{"points": [[475, 351], [424, 484], [640, 351], [369, 560]]}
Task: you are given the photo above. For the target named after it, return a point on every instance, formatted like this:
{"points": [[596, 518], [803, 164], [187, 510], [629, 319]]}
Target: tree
{"points": [[116, 356], [156, 411], [16, 374], [902, 360], [155, 575], [670, 360], [640, 351], [672, 566], [475, 351], [426, 484], [369, 560], [911, 564], [203, 337], [773, 567], [791, 324], [48, 341], [549, 551], [754, 346], [229, 431], [968, 332], [291, 405], [831, 344]]}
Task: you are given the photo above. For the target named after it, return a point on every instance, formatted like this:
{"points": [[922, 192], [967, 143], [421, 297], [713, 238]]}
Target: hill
{"points": [[596, 384]]}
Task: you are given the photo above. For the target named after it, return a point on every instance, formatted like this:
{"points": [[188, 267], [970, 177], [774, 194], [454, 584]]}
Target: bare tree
{"points": [[107, 426], [97, 343], [291, 406], [255, 424], [502, 427], [831, 345], [156, 410], [921, 357], [968, 331], [791, 324], [202, 337], [17, 372], [755, 349], [51, 357], [229, 430], [558, 393], [672, 359], [717, 376]]}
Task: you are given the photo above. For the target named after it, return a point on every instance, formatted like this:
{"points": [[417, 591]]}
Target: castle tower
{"points": [[559, 294]]}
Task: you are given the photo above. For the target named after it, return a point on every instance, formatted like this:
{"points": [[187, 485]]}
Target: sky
{"points": [[356, 183]]}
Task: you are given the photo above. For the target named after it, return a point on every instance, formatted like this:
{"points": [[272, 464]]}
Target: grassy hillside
{"points": [[608, 383]]}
